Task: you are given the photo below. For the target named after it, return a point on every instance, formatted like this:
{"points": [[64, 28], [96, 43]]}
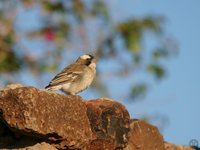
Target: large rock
{"points": [[39, 146], [46, 115], [39, 120], [15, 141], [169, 146], [109, 122], [144, 136]]}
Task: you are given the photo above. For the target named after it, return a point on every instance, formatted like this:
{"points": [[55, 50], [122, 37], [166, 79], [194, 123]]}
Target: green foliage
{"points": [[99, 8], [157, 70], [132, 31], [9, 62], [153, 23], [160, 53], [53, 7], [64, 20], [48, 67], [138, 91]]}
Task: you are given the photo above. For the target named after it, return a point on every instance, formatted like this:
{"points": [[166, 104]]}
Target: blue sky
{"points": [[177, 96]]}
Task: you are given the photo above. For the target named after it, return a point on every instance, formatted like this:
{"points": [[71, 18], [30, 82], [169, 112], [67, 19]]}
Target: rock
{"points": [[52, 117], [101, 144], [169, 146], [32, 119], [40, 146], [11, 86], [109, 122], [6, 136], [144, 136]]}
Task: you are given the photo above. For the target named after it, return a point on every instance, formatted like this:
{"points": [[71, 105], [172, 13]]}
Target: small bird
{"points": [[75, 77]]}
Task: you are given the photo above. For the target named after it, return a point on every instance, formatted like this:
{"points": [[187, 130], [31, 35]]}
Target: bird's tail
{"points": [[51, 88]]}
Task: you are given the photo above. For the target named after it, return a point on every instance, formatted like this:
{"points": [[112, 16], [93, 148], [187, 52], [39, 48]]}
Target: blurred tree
{"points": [[65, 26]]}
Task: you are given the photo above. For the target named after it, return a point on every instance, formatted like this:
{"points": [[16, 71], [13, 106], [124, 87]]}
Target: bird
{"points": [[76, 77]]}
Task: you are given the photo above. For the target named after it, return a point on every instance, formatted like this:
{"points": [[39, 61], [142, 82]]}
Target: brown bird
{"points": [[75, 77]]}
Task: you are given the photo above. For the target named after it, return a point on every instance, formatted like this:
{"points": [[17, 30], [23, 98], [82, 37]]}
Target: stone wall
{"points": [[41, 120]]}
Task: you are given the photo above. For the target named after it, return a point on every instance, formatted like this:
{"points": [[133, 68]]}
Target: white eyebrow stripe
{"points": [[85, 56]]}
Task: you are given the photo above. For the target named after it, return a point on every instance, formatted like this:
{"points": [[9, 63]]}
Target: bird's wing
{"points": [[69, 74]]}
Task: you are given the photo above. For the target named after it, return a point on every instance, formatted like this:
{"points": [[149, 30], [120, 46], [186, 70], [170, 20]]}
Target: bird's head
{"points": [[87, 59]]}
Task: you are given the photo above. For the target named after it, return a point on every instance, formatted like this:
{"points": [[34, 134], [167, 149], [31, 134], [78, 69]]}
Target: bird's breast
{"points": [[82, 81]]}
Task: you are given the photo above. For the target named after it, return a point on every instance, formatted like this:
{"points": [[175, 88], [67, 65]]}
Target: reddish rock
{"points": [[40, 146], [101, 144], [46, 115], [39, 120], [11, 86], [169, 146], [144, 136], [109, 122], [6, 136]]}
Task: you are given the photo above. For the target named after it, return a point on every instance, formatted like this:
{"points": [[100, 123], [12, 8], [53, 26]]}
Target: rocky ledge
{"points": [[40, 120]]}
